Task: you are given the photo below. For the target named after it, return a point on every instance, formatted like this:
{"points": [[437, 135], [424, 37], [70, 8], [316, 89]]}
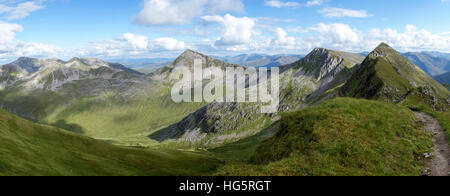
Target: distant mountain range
{"points": [[443, 78], [433, 63], [261, 60], [144, 65]]}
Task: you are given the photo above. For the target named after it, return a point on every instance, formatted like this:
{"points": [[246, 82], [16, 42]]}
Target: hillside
{"points": [[444, 78], [27, 148], [388, 76], [341, 137], [432, 63]]}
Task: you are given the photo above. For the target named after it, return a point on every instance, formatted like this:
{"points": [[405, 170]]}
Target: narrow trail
{"points": [[440, 164]]}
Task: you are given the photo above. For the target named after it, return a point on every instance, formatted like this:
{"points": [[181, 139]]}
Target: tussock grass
{"points": [[341, 137]]}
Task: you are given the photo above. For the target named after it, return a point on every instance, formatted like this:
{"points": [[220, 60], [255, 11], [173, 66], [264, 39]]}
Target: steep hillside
{"points": [[88, 96], [387, 75], [27, 148], [444, 78], [301, 83], [341, 137], [432, 64]]}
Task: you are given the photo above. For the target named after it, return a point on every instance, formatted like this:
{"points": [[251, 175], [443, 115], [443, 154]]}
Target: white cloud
{"points": [[137, 41], [235, 31], [314, 3], [341, 36], [20, 10], [178, 12], [335, 35], [280, 4], [168, 43], [12, 48], [8, 31], [130, 45], [283, 41], [412, 39], [341, 13]]}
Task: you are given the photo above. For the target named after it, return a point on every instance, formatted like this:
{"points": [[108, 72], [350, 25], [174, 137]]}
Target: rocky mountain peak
{"points": [[30, 65], [319, 52], [190, 54], [383, 50], [323, 62], [93, 62]]}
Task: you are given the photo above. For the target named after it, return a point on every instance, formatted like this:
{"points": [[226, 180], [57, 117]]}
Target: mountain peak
{"points": [[190, 53], [384, 45], [387, 75], [74, 59], [30, 65], [383, 50]]}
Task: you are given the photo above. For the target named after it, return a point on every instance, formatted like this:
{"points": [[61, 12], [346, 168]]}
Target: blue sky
{"points": [[165, 28]]}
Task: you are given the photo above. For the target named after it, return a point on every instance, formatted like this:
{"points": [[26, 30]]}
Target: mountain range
{"points": [[261, 60], [117, 105]]}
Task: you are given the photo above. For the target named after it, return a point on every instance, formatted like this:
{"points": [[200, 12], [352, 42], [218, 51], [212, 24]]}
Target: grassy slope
{"points": [[124, 123], [341, 137], [27, 148], [105, 117], [447, 86]]}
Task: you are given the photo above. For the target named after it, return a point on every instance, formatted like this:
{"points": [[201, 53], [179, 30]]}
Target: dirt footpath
{"points": [[440, 164]]}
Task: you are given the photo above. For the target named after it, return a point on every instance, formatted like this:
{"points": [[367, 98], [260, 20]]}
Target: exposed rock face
{"points": [[53, 74], [327, 69]]}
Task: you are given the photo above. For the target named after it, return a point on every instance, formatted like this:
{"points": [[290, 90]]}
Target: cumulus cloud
{"points": [[314, 3], [19, 10], [341, 13], [12, 48], [411, 39], [336, 33], [283, 41], [130, 45], [178, 12], [8, 31], [235, 31], [341, 36], [167, 43], [280, 4]]}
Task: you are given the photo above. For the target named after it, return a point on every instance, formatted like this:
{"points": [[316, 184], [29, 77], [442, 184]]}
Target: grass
{"points": [[370, 81], [341, 137], [27, 148], [127, 123], [108, 117], [447, 86]]}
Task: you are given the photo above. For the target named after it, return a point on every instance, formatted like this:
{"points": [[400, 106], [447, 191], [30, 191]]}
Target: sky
{"points": [[112, 29]]}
